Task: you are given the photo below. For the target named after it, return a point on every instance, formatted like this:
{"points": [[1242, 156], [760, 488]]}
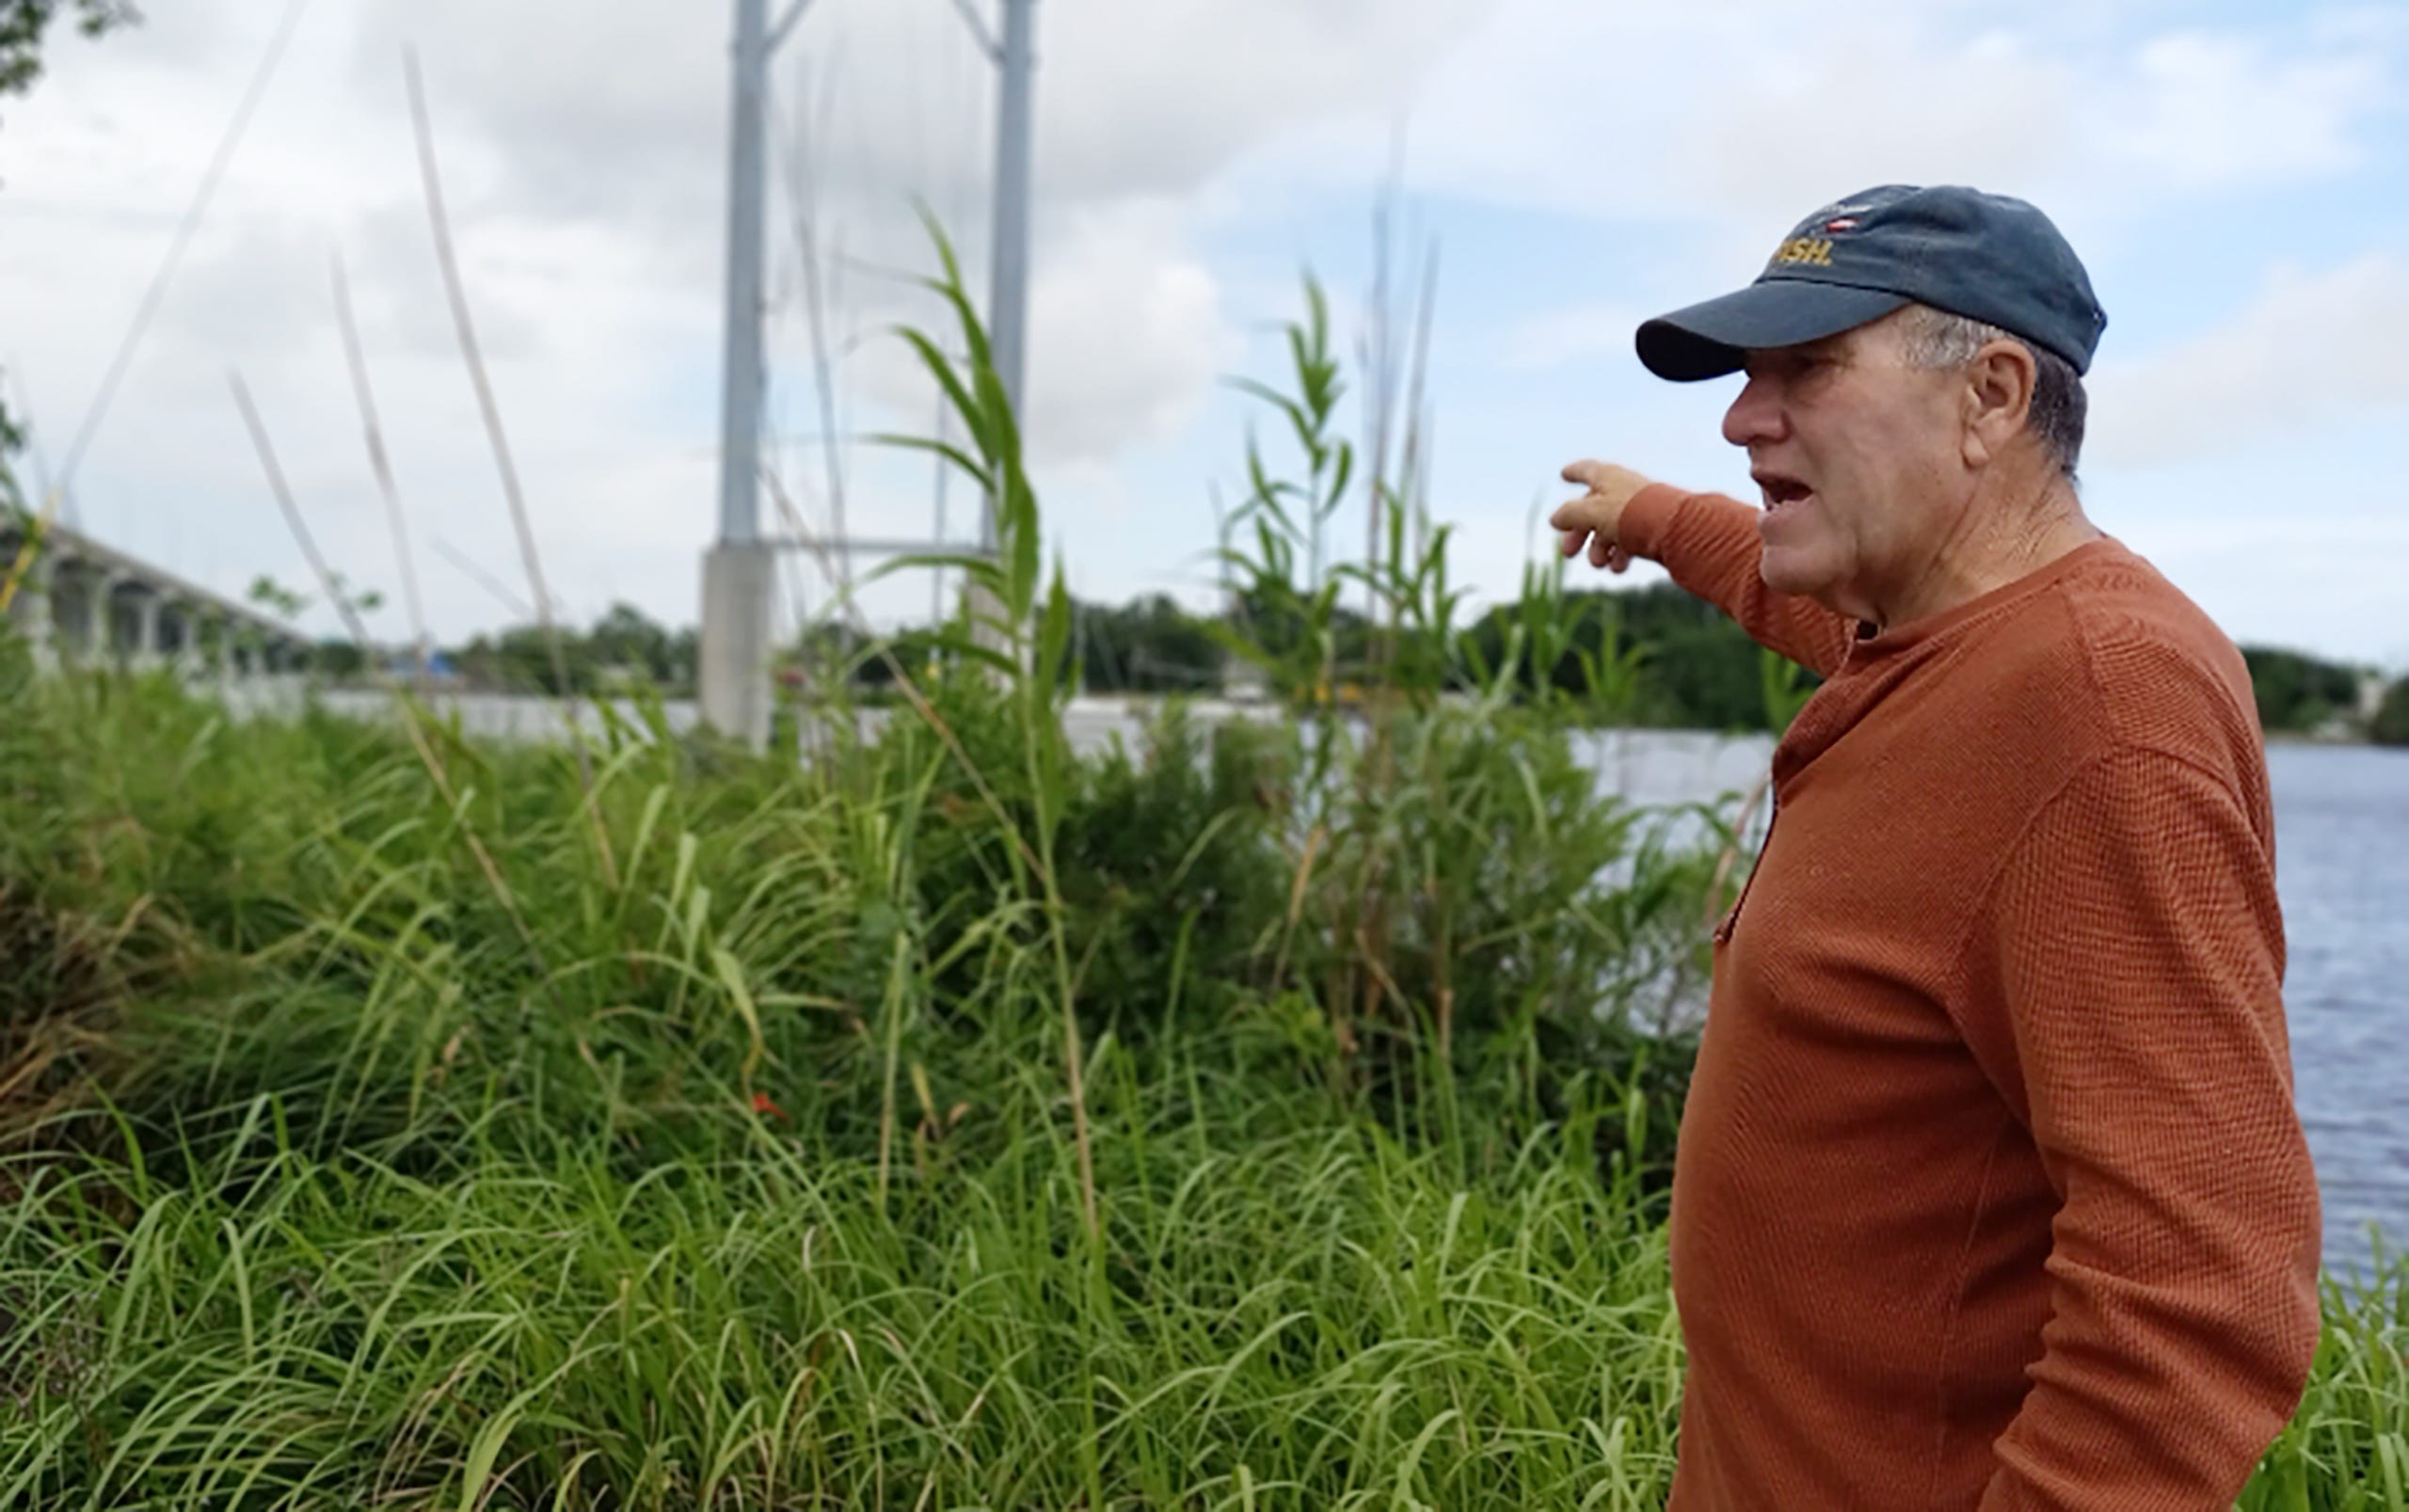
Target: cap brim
{"points": [[1709, 340]]}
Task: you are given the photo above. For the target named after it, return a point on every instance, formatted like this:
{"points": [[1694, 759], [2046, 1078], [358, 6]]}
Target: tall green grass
{"points": [[1287, 1309], [1260, 1118], [753, 1182]]}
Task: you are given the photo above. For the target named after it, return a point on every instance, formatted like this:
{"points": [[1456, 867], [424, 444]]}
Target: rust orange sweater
{"points": [[1990, 1195]]}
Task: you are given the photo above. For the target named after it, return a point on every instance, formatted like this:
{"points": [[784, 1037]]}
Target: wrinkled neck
{"points": [[2003, 531]]}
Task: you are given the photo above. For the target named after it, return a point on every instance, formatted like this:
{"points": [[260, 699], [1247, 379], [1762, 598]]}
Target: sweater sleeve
{"points": [[1709, 544], [2129, 1006]]}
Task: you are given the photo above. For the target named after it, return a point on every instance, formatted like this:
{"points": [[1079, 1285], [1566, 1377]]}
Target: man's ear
{"points": [[1997, 396]]}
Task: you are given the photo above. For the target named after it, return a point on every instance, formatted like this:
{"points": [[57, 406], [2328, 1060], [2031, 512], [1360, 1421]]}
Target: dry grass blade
{"points": [[1730, 853], [24, 562], [457, 294], [803, 193], [411, 723], [1417, 414], [476, 573], [1379, 366], [382, 466], [1296, 908]]}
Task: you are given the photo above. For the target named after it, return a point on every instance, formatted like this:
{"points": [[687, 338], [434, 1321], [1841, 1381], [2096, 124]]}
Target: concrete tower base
{"points": [[740, 603]]}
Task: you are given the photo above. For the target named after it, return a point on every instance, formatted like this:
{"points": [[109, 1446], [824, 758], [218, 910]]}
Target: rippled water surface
{"points": [[2343, 867]]}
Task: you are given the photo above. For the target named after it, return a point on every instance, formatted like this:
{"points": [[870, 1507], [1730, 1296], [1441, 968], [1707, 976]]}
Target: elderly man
{"points": [[1990, 1193]]}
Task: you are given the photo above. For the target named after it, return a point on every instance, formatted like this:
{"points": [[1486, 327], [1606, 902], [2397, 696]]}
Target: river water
{"points": [[2341, 867]]}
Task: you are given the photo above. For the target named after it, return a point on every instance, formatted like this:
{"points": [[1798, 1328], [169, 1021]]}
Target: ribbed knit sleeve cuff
{"points": [[1648, 519]]}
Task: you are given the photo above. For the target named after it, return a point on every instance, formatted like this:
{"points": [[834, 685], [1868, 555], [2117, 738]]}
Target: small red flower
{"points": [[761, 1104]]}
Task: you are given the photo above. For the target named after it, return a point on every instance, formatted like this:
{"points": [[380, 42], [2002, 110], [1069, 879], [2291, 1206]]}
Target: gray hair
{"points": [[1939, 341]]}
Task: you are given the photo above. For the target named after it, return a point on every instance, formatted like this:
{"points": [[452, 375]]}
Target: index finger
{"points": [[1584, 513]]}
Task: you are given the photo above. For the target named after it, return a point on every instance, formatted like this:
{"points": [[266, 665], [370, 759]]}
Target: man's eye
{"points": [[1788, 367]]}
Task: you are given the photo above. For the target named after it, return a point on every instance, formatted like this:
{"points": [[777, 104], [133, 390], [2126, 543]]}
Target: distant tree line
{"points": [[625, 648], [2298, 694], [1687, 667], [2302, 695], [2390, 726], [1694, 668]]}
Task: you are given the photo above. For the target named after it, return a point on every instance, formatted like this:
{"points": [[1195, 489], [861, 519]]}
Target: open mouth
{"points": [[1781, 490]]}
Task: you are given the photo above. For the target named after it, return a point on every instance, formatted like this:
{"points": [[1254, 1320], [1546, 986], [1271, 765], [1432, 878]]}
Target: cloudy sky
{"points": [[2237, 176]]}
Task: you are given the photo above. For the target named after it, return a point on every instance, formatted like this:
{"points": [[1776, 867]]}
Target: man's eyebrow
{"points": [[1821, 347]]}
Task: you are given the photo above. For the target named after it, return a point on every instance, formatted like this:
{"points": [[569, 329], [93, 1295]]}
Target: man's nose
{"points": [[1756, 417]]}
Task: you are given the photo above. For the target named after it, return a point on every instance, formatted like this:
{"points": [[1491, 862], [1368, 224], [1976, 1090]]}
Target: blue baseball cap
{"points": [[1984, 256]]}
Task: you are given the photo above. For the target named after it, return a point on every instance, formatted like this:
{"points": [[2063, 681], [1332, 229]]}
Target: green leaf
{"points": [[941, 368], [1295, 412], [1054, 635], [1003, 425], [952, 454], [970, 562], [944, 247], [1023, 544], [956, 643], [1346, 470]]}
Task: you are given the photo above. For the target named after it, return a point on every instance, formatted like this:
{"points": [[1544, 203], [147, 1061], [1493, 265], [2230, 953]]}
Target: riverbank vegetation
{"points": [[1681, 665], [1269, 1116], [2390, 726], [1686, 667]]}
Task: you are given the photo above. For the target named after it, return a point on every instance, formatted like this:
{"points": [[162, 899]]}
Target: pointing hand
{"points": [[1593, 519]]}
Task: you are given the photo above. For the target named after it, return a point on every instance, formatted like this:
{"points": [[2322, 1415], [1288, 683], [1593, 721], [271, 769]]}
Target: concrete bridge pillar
{"points": [[242, 653], [148, 651], [133, 622], [99, 588], [180, 629], [69, 588], [221, 649], [30, 611]]}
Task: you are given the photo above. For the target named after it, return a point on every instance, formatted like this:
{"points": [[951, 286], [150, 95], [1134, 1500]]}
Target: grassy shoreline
{"points": [[1271, 1117], [302, 1223], [326, 1192]]}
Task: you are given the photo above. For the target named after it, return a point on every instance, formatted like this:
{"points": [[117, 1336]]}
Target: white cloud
{"points": [[1163, 96], [1126, 335], [1132, 336], [2221, 110], [1893, 104], [615, 116], [599, 105], [1740, 115], [2327, 586], [583, 147], [2312, 349]]}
